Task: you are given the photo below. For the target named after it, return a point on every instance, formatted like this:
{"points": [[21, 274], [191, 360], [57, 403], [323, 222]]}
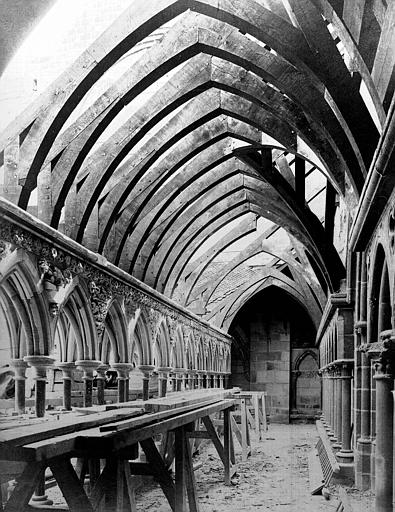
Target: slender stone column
{"points": [[146, 369], [215, 380], [346, 454], [209, 380], [173, 381], [40, 365], [88, 366], [200, 378], [384, 430], [326, 398], [191, 380], [322, 377], [123, 370], [184, 379], [19, 366], [67, 376], [364, 442], [339, 408], [101, 382], [221, 381], [330, 402], [163, 373]]}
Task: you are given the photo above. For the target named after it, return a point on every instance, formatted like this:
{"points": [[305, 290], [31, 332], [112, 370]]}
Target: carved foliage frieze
{"points": [[57, 268]]}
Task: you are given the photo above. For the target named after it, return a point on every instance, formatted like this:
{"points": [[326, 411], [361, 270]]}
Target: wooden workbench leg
{"points": [[94, 472], [236, 430], [244, 430], [71, 487], [104, 482], [255, 401], [227, 435], [24, 488], [125, 500], [161, 472], [180, 443], [129, 485], [232, 446], [264, 420], [190, 478]]}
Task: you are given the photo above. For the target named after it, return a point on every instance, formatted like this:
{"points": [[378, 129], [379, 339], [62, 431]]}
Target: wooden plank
{"points": [[198, 434], [122, 439], [135, 422], [69, 484], [189, 398], [26, 483], [103, 443], [34, 433]]}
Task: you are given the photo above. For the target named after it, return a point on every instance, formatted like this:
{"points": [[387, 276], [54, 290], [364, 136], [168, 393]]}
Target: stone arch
{"points": [[178, 349], [190, 354], [379, 277], [115, 330], [224, 318], [141, 343], [75, 306], [305, 385], [161, 344], [301, 357], [22, 297]]}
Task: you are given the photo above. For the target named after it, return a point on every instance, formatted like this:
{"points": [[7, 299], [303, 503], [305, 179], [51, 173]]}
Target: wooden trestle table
{"points": [[110, 439]]}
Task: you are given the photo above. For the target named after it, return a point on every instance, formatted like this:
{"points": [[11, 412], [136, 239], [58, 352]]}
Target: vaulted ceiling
{"points": [[213, 148]]}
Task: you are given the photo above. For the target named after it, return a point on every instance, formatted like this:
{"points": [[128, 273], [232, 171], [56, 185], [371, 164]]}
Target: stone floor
{"points": [[274, 478]]}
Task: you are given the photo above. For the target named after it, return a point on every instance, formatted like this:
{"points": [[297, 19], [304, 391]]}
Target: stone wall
{"points": [[273, 336]]}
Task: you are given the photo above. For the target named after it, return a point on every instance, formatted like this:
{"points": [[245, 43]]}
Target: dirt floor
{"points": [[274, 478]]}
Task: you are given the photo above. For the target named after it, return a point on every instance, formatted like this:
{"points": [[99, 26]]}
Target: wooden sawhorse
{"points": [[116, 444]]}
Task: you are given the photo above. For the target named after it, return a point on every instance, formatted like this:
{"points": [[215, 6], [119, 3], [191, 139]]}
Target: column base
{"points": [[345, 456], [41, 501], [363, 453], [346, 476]]}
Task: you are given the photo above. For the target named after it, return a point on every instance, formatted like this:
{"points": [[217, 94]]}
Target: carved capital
{"points": [[360, 327], [384, 365]]}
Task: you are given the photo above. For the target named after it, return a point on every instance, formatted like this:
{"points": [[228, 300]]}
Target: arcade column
{"points": [[67, 376], [88, 366], [40, 364]]}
